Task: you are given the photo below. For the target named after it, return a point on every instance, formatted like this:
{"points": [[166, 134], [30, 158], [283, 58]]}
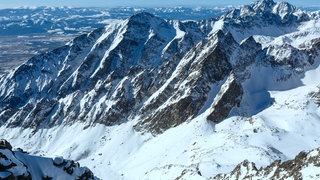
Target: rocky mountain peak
{"points": [[143, 17], [114, 63], [150, 21], [266, 9], [252, 19], [263, 5], [143, 66], [237, 86], [284, 7]]}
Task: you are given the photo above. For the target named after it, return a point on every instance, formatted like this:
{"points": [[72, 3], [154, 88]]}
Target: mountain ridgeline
{"points": [[160, 73], [238, 86]]}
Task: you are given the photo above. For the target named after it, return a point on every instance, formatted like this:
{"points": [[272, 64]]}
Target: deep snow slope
{"points": [[149, 98]]}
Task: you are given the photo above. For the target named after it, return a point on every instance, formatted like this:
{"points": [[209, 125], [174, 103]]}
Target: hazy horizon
{"points": [[142, 3]]}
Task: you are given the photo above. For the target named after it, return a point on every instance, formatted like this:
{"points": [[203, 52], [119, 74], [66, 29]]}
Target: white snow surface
{"points": [[40, 167], [289, 124], [300, 39], [281, 131]]}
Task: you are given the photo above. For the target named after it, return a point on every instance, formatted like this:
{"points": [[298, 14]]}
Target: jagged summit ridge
{"points": [[145, 67], [263, 18], [211, 89], [263, 5], [115, 60]]}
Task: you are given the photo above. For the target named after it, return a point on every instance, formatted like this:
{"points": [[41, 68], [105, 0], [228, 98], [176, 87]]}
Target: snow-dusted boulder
{"points": [[18, 165], [4, 144]]}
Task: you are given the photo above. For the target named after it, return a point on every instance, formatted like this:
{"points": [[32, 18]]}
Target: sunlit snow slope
{"points": [[149, 98]]}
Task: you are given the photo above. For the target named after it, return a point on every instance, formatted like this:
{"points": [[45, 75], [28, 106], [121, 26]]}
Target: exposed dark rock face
{"points": [[242, 22], [161, 72], [298, 168], [10, 166], [228, 97], [315, 96], [103, 77], [4, 144], [188, 91]]}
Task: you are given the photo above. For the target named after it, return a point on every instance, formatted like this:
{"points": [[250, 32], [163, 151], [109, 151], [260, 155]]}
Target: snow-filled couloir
{"points": [[148, 97]]}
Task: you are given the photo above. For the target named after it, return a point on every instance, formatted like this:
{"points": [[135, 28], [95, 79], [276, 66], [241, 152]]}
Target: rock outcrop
{"points": [[19, 165], [306, 165]]}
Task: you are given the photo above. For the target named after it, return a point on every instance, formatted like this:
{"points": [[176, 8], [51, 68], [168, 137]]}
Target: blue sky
{"points": [[138, 3]]}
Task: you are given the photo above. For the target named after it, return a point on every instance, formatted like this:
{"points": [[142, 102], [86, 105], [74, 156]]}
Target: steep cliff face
{"points": [[161, 72], [264, 17], [242, 83], [102, 77]]}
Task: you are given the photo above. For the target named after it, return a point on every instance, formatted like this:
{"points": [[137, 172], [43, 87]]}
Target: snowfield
{"points": [[277, 117], [289, 125]]}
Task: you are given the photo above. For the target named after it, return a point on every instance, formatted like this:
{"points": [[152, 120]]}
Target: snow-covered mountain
{"points": [[147, 96], [120, 62], [29, 31], [67, 20]]}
